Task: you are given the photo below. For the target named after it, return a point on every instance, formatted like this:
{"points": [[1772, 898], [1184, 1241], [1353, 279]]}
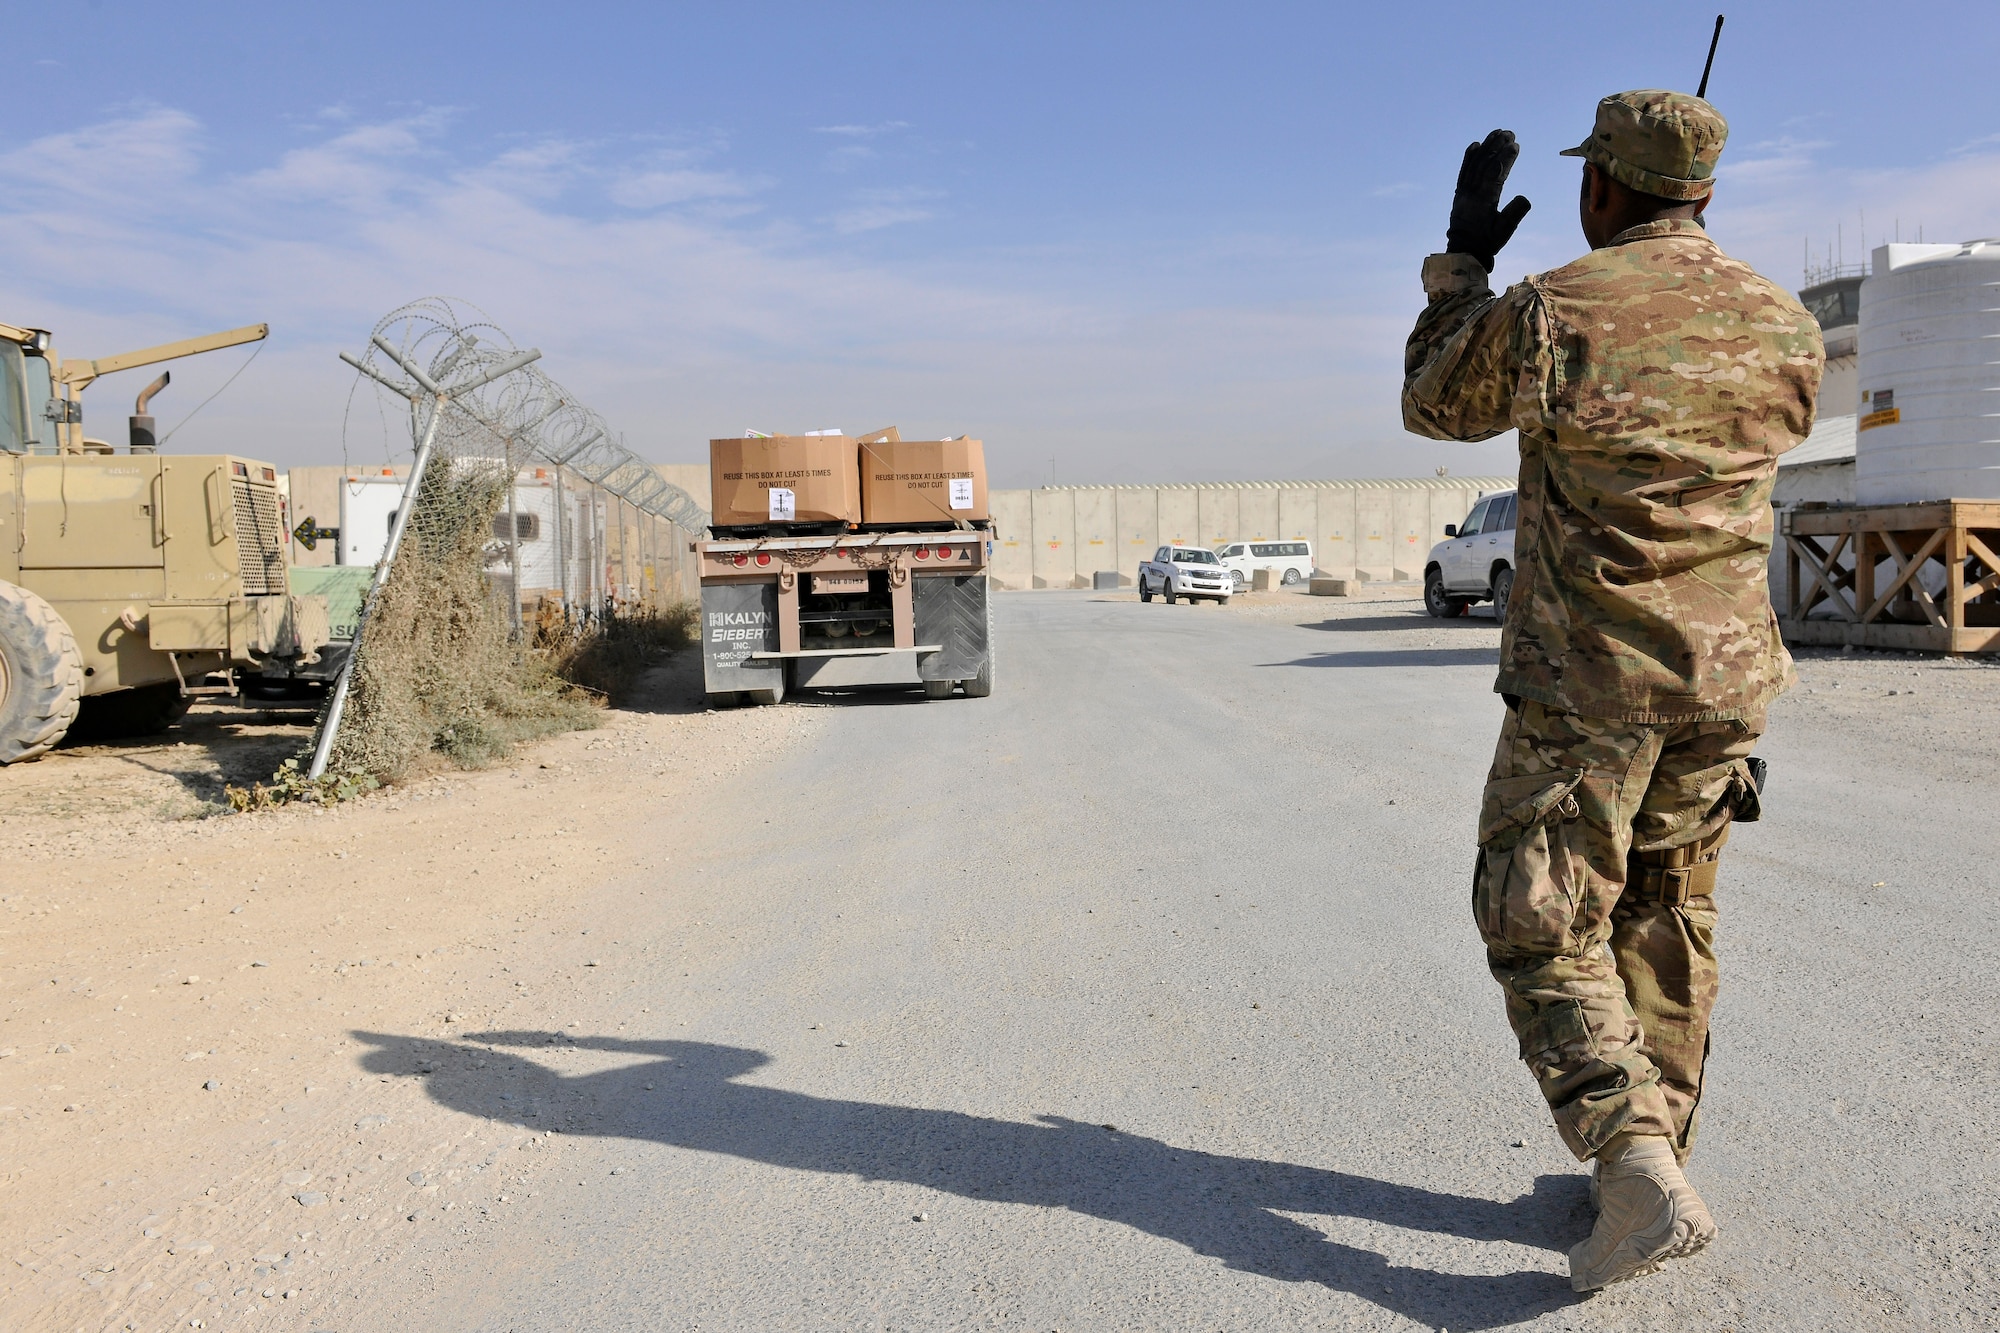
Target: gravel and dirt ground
{"points": [[181, 988], [1137, 996]]}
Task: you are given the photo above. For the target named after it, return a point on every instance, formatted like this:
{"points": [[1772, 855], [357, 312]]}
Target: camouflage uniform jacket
{"points": [[1654, 382]]}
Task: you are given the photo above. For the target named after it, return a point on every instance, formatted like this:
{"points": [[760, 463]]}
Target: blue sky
{"points": [[1118, 242]]}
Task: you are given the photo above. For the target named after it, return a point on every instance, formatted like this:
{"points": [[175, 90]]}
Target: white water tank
{"points": [[1930, 375]]}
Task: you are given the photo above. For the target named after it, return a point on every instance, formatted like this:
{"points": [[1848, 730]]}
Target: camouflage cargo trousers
{"points": [[1608, 963]]}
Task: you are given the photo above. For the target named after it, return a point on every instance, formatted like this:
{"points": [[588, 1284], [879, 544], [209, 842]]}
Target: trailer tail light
{"points": [[741, 560], [923, 553], [763, 557]]}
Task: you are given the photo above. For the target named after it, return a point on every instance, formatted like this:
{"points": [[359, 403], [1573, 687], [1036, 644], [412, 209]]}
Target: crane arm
{"points": [[79, 374]]}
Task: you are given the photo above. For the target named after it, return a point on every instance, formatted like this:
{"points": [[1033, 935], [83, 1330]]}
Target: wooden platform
{"points": [[1914, 576]]}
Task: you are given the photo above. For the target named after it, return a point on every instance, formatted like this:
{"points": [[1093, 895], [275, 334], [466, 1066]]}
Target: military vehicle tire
{"points": [[145, 711], [41, 675], [1503, 593]]}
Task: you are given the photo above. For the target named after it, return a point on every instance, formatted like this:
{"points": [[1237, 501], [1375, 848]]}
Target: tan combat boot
{"points": [[1648, 1214]]}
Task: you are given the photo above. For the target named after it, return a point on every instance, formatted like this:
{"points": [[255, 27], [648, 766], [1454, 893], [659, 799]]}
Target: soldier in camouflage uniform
{"points": [[1654, 383]]}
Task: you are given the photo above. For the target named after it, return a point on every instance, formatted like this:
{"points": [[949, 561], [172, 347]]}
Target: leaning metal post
{"points": [[438, 399]]}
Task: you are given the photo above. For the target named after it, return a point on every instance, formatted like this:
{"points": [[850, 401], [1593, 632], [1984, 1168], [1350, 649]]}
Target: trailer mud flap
{"points": [[738, 619], [950, 610]]}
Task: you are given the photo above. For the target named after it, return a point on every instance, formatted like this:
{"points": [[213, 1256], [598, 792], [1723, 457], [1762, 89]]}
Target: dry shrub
{"points": [[290, 785], [610, 657], [438, 672]]}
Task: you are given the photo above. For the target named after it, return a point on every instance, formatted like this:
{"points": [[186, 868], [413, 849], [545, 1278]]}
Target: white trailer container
{"points": [[560, 533], [367, 507]]}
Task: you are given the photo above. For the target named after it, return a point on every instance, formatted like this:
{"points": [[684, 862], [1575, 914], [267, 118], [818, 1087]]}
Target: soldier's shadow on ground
{"points": [[1224, 1207]]}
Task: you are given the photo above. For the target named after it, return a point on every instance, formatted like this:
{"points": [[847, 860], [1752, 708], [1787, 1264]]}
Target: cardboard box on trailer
{"points": [[922, 481], [784, 479]]}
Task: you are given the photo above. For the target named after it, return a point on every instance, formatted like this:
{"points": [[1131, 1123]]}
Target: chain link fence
{"points": [[531, 553]]}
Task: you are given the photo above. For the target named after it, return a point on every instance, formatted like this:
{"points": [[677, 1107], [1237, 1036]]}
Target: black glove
{"points": [[1479, 226]]}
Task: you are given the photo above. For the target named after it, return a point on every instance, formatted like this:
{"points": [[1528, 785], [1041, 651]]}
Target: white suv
{"points": [[1474, 562], [1242, 559], [1184, 571]]}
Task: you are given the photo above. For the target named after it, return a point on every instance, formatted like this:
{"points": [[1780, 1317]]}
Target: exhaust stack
{"points": [[145, 439]]}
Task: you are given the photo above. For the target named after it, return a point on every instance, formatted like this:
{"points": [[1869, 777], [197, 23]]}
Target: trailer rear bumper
{"points": [[847, 652], [917, 605]]}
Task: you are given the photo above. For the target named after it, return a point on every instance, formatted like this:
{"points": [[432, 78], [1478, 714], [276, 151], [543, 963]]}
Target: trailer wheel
{"points": [[41, 675], [145, 711]]}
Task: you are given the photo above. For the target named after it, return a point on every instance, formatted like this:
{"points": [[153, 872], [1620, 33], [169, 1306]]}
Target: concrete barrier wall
{"points": [[1013, 539], [1180, 519], [1138, 526], [1059, 536]]}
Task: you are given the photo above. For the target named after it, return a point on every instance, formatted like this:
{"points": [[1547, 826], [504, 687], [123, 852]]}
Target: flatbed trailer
{"points": [[830, 612]]}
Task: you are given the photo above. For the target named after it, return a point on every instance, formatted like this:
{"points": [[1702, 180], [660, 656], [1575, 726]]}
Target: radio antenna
{"points": [[1710, 63]]}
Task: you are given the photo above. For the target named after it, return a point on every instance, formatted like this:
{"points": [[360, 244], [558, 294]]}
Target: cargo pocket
{"points": [[1526, 883], [1557, 1041]]}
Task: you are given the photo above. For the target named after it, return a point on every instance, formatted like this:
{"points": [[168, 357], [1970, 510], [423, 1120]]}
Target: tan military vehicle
{"points": [[130, 583]]}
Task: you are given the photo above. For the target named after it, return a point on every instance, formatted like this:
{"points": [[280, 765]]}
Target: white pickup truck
{"points": [[1184, 571]]}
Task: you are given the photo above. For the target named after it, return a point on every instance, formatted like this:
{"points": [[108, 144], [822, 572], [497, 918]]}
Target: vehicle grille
{"points": [[260, 539]]}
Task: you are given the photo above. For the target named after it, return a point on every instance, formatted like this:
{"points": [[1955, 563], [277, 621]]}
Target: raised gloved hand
{"points": [[1479, 226]]}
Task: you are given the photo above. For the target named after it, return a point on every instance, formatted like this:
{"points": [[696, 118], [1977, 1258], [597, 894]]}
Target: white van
{"points": [[1242, 559]]}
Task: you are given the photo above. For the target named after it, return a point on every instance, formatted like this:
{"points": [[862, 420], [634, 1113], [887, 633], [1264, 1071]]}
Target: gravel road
{"points": [[1143, 995]]}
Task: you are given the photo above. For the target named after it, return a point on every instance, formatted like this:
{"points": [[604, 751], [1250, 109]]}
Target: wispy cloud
{"points": [[659, 189], [1794, 191], [129, 157], [672, 287], [856, 147], [863, 131], [623, 265], [875, 209], [1771, 161]]}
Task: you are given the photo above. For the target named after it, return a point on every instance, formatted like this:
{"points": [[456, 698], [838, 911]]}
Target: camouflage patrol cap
{"points": [[1657, 142]]}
